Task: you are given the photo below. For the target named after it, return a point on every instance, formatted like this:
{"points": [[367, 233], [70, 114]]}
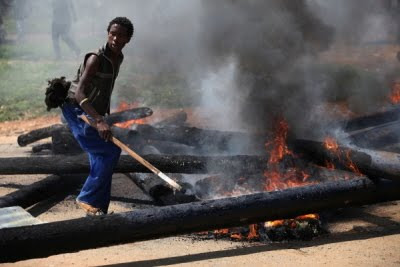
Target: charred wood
{"points": [[371, 163], [168, 147], [130, 137], [129, 114], [60, 164], [372, 120], [69, 236], [41, 147], [208, 140], [63, 142], [161, 193], [220, 185], [41, 190], [377, 137], [177, 119], [143, 145], [38, 134]]}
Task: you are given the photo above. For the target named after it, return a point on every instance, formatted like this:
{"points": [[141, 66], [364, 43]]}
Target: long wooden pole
{"points": [[144, 162], [58, 237], [62, 164]]}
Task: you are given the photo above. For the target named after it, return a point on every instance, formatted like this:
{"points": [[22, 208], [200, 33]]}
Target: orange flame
{"points": [[222, 231], [278, 150], [274, 223], [253, 232], [292, 222], [350, 164], [237, 236], [329, 165], [314, 216], [279, 146], [124, 106], [332, 145], [394, 97]]}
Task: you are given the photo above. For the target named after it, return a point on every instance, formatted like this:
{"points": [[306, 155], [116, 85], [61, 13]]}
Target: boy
{"points": [[90, 95]]}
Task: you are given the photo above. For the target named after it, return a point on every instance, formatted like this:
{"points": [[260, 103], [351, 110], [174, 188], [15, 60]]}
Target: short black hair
{"points": [[123, 21]]}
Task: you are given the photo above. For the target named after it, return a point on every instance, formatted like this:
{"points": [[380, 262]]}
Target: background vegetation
{"points": [[27, 64]]}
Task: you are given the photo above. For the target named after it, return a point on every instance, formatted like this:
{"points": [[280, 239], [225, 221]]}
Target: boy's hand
{"points": [[104, 129]]}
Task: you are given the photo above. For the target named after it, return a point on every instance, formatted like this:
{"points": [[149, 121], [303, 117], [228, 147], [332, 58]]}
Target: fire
{"points": [[124, 106], [279, 146], [308, 216], [279, 176], [221, 231], [394, 97], [289, 177], [332, 145], [237, 236], [329, 165], [275, 223], [276, 176], [253, 232], [291, 222], [350, 164]]}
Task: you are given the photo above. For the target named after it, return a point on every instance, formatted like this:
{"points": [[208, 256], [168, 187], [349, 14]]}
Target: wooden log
{"points": [[177, 119], [61, 164], [207, 140], [63, 142], [160, 192], [219, 185], [144, 146], [43, 240], [41, 147], [41, 190], [129, 114], [377, 137], [38, 134], [372, 120], [173, 148], [371, 163]]}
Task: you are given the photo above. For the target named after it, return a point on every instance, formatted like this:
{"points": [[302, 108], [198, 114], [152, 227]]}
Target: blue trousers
{"points": [[103, 156]]}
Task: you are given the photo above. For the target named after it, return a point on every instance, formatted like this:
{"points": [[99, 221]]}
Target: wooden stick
{"points": [[144, 162]]}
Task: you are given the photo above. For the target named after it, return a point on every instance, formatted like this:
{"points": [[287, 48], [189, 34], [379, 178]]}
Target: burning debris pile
{"points": [[304, 227], [264, 186]]}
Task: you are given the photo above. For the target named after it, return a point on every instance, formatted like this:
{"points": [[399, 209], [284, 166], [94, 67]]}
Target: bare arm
{"points": [[92, 65]]}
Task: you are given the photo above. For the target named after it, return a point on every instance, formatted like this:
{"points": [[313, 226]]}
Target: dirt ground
{"points": [[363, 236]]}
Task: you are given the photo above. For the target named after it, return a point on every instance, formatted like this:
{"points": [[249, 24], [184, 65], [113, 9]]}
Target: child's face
{"points": [[117, 38]]}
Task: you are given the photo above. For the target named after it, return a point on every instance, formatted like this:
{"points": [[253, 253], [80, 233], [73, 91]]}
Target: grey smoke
{"points": [[247, 61]]}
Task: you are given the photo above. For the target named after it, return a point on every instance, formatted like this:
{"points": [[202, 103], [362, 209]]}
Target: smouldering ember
{"points": [[250, 234], [277, 223], [394, 97]]}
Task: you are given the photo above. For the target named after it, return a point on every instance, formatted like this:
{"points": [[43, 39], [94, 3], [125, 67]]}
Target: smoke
{"points": [[248, 62], [276, 46]]}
